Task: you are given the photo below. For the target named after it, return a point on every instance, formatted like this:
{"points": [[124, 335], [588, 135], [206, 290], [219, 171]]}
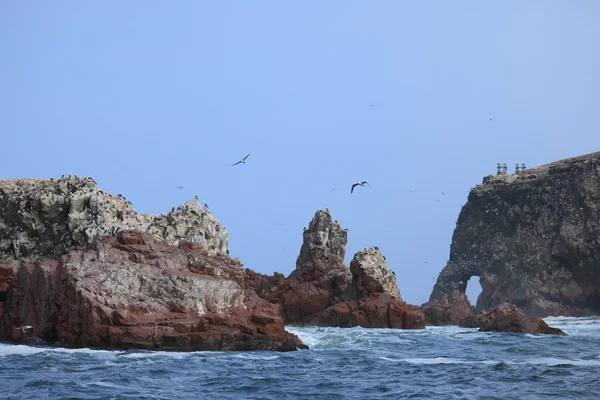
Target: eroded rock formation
{"points": [[448, 309], [533, 239], [323, 291], [133, 291], [84, 269]]}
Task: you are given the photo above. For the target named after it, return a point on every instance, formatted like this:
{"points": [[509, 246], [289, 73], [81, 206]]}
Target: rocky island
{"points": [[533, 239], [83, 269]]}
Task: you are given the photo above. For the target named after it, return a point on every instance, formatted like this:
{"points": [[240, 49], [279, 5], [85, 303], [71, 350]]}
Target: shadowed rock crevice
{"points": [[533, 239]]}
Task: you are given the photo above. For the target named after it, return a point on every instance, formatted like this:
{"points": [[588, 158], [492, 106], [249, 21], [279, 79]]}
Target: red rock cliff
{"points": [[323, 291], [133, 291]]}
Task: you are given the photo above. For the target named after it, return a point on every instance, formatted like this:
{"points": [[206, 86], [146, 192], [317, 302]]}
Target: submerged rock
{"points": [[532, 239], [323, 291], [449, 309], [133, 291]]}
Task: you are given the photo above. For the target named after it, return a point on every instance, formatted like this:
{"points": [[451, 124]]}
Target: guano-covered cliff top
{"points": [[537, 173], [49, 217]]}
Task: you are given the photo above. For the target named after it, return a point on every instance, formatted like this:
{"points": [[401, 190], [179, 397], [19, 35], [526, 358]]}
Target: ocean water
{"points": [[357, 363]]}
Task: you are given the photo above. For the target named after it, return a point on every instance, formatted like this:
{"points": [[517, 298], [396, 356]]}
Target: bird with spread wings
{"points": [[242, 161], [359, 184]]}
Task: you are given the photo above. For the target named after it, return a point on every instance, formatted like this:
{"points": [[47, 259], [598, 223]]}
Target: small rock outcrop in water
{"points": [[323, 291], [132, 291], [509, 318], [449, 309], [50, 217], [83, 269], [532, 239]]}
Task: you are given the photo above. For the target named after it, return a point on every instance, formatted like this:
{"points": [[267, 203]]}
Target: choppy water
{"points": [[438, 362]]}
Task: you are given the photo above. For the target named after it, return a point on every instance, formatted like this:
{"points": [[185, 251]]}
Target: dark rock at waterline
{"points": [[509, 318], [449, 309]]}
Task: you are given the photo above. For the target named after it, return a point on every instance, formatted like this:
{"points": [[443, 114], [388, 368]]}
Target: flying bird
{"points": [[24, 328], [372, 105], [413, 190], [242, 161], [359, 184], [179, 187], [443, 194]]}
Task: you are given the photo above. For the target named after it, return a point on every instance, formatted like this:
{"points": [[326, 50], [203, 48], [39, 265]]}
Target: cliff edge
{"points": [[533, 239]]}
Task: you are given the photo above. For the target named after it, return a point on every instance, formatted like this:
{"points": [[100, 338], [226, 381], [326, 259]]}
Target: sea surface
{"points": [[357, 363]]}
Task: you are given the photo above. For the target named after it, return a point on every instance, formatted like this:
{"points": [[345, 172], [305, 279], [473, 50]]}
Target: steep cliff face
{"points": [[323, 291], [132, 291], [50, 217], [533, 240]]}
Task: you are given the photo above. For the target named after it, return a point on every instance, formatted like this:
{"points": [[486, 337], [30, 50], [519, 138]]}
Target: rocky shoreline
{"points": [[79, 267]]}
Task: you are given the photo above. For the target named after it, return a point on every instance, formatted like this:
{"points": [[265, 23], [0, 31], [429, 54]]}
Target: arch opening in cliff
{"points": [[473, 289]]}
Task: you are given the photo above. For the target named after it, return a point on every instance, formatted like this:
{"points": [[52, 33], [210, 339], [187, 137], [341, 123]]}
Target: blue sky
{"points": [[147, 95]]}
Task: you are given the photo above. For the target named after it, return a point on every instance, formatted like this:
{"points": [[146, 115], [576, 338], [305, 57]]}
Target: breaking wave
{"points": [[356, 363]]}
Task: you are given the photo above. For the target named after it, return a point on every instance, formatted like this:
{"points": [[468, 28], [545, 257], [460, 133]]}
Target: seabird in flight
{"points": [[372, 105], [359, 184], [179, 187], [23, 330], [413, 190], [242, 161]]}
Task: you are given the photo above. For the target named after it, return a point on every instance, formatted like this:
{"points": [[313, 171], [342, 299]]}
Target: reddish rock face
{"points": [[509, 318], [379, 310], [7, 278], [323, 291], [132, 291], [448, 309]]}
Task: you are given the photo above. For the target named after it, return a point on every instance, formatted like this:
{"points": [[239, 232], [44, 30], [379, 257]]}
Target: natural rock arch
{"points": [[533, 239]]}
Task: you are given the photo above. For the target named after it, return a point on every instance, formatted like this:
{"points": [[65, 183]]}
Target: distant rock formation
{"points": [[509, 318], [51, 217], [84, 269], [533, 239], [132, 291], [323, 291], [449, 309]]}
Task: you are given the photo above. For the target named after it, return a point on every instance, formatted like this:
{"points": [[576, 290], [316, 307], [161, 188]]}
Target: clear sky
{"points": [[148, 95]]}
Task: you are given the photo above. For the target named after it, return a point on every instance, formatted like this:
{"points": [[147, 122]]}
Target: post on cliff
{"points": [[517, 167]]}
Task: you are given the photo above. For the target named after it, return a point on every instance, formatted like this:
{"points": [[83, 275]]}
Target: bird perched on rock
{"points": [[359, 184], [242, 161]]}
